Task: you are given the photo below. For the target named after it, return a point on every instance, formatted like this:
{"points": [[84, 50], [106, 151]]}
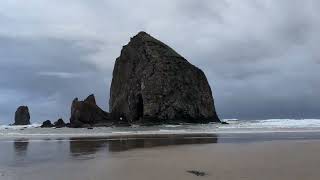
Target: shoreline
{"points": [[220, 137], [151, 134]]}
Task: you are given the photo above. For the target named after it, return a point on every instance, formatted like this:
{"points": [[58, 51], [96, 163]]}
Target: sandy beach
{"points": [[285, 156]]}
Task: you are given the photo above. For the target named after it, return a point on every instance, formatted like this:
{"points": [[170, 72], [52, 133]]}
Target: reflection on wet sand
{"points": [[124, 145], [21, 147], [88, 146]]}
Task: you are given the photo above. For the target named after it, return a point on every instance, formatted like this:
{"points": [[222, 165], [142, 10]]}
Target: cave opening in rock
{"points": [[140, 107]]}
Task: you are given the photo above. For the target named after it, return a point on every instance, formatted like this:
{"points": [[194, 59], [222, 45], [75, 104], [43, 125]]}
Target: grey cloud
{"points": [[63, 75], [202, 10], [47, 74]]}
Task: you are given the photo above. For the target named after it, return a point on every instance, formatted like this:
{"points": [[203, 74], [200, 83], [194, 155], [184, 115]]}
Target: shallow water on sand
{"points": [[50, 158]]}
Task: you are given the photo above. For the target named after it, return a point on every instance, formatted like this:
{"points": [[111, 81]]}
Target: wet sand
{"points": [[226, 157]]}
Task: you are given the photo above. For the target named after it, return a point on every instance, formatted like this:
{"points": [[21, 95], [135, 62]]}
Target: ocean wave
{"points": [[230, 120], [35, 125], [277, 123], [291, 122], [239, 126]]}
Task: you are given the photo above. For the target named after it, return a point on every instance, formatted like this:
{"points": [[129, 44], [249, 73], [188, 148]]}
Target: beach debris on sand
{"points": [[197, 173]]}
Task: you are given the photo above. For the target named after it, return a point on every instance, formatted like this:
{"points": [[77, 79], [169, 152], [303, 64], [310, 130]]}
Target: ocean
{"points": [[234, 126]]}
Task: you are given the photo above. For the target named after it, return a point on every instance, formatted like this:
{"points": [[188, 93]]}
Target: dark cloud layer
{"points": [[261, 57]]}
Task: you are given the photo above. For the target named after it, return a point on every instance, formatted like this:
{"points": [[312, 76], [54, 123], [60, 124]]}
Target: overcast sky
{"points": [[261, 58]]}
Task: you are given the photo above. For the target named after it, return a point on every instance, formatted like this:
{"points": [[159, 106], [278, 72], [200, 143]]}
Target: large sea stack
{"points": [[22, 116], [154, 84]]}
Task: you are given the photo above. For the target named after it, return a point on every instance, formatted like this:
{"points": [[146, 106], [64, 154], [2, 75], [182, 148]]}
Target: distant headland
{"points": [[152, 84]]}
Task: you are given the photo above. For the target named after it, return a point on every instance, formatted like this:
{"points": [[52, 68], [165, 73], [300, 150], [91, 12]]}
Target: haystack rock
{"points": [[22, 116], [152, 83], [86, 113]]}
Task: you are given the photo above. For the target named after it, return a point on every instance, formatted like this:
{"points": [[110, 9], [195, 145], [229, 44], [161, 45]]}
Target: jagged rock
{"points": [[91, 99], [59, 123], [22, 116], [86, 113], [47, 124], [153, 83]]}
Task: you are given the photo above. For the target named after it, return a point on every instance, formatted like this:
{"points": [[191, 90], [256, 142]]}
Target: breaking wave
{"points": [[276, 123], [19, 127], [235, 126]]}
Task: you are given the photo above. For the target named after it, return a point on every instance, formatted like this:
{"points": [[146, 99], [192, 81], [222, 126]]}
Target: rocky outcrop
{"points": [[22, 116], [86, 114], [59, 123], [47, 124], [154, 84]]}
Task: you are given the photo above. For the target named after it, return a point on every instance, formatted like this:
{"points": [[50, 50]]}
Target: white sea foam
{"points": [[172, 126], [276, 123], [20, 126], [230, 120]]}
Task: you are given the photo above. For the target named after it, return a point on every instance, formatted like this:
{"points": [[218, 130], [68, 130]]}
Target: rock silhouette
{"points": [[59, 123], [86, 114], [22, 116], [47, 124], [154, 84]]}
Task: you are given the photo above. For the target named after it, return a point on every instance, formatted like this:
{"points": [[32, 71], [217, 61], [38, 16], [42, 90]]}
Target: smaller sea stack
{"points": [[87, 114], [22, 116]]}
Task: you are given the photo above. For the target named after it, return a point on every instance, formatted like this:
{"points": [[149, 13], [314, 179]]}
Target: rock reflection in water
{"points": [[20, 147], [89, 146], [20, 151], [86, 146], [124, 145]]}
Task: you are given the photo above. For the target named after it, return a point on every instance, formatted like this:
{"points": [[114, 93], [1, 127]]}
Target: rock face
{"points": [[86, 113], [153, 83], [47, 124], [22, 116], [59, 123]]}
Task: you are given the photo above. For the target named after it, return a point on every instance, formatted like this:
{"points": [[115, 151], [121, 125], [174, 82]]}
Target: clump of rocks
{"points": [[87, 113], [58, 124], [47, 124]]}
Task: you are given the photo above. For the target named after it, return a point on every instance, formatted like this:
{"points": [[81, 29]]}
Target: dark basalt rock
{"points": [[154, 84], [86, 113], [91, 99], [47, 124], [68, 125], [22, 116], [59, 123]]}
